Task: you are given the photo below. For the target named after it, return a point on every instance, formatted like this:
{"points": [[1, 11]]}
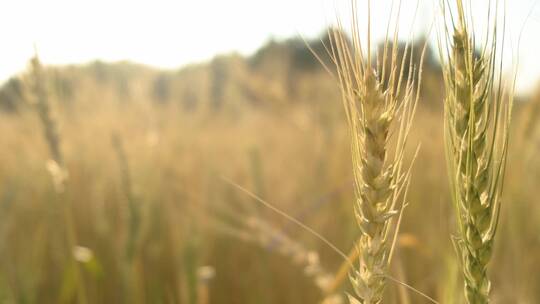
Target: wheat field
{"points": [[124, 183]]}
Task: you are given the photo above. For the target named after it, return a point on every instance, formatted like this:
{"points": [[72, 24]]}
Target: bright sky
{"points": [[170, 34]]}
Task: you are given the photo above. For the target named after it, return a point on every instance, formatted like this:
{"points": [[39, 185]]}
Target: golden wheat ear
{"points": [[379, 100], [55, 165], [477, 114]]}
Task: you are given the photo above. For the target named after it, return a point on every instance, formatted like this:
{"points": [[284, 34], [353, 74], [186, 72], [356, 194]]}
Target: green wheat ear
{"points": [[477, 115]]}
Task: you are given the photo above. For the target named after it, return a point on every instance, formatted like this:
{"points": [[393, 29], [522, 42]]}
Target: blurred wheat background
{"points": [[140, 186]]}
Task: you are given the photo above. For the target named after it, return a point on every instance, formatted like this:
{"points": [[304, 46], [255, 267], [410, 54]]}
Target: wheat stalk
{"points": [[134, 212], [476, 137], [378, 99], [58, 171]]}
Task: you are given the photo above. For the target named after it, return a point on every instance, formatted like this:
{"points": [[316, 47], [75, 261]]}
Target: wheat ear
{"points": [[57, 168], [55, 165], [378, 99], [476, 137]]}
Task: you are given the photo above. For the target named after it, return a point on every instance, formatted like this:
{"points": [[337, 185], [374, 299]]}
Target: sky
{"points": [[170, 34]]}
